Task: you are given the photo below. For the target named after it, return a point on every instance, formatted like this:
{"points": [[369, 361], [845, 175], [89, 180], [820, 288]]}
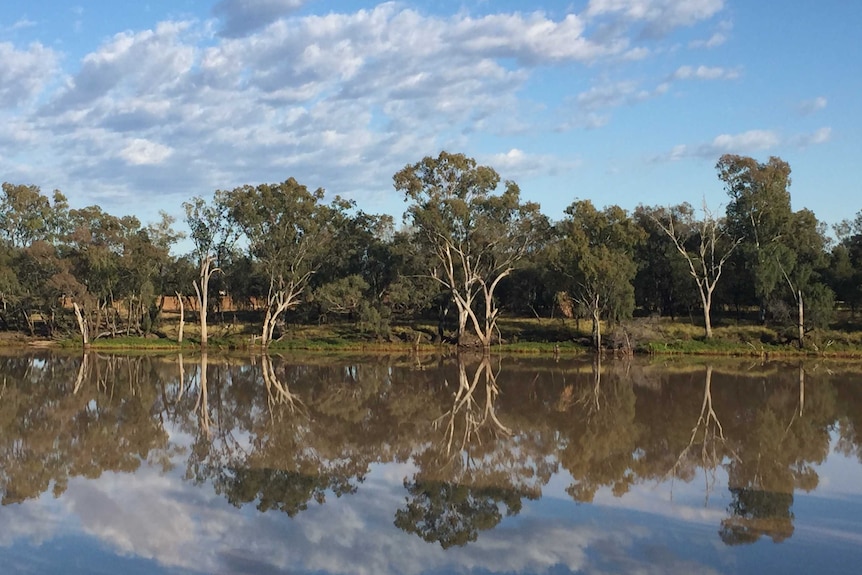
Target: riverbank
{"points": [[516, 336]]}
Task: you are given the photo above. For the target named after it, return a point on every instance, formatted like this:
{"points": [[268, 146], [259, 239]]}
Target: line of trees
{"points": [[469, 249]]}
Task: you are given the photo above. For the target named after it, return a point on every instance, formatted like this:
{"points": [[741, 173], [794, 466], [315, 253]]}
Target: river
{"points": [[417, 465]]}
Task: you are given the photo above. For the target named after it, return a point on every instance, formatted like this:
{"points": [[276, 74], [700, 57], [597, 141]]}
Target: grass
{"points": [[653, 336]]}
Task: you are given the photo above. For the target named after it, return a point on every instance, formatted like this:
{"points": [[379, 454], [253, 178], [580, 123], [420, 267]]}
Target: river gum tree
{"points": [[477, 237], [289, 231], [212, 235], [705, 246], [594, 257]]}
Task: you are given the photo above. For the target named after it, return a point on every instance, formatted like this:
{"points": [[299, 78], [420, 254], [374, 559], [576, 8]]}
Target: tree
{"points": [[363, 263], [96, 247], [26, 215], [477, 238], [453, 514], [212, 236], [845, 269], [758, 211], [707, 260], [162, 237], [780, 247], [806, 262], [662, 274], [594, 256], [288, 232]]}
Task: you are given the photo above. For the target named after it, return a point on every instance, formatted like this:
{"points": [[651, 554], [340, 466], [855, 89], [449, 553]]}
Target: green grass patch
{"points": [[528, 336]]}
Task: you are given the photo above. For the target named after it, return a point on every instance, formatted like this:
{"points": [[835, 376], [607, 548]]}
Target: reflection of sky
{"points": [[152, 522]]}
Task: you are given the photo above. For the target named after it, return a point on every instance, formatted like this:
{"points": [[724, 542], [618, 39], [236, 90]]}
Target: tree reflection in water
{"points": [[781, 442], [754, 513], [713, 444], [280, 434], [456, 493], [599, 431], [65, 416]]}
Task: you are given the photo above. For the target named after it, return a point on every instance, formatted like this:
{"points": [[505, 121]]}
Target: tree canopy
{"points": [[469, 244]]}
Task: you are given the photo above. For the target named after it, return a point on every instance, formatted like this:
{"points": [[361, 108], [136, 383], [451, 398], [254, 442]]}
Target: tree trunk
{"points": [[268, 327], [202, 313], [202, 307], [707, 323], [202, 403], [706, 300], [462, 322], [30, 323], [801, 326], [597, 324], [182, 318], [82, 372], [82, 326]]}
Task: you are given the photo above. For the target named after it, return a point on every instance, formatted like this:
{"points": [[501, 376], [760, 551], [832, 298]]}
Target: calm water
{"points": [[117, 464]]}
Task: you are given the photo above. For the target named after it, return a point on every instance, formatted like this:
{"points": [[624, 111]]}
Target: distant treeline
{"points": [[470, 249]]}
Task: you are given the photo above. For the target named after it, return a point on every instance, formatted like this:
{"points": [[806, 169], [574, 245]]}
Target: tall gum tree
{"points": [[594, 257], [27, 215], [212, 235], [28, 219], [288, 230], [705, 246], [477, 238], [782, 247], [759, 211]]}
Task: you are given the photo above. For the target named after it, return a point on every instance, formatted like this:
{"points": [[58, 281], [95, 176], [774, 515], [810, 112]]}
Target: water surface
{"points": [[227, 464]]}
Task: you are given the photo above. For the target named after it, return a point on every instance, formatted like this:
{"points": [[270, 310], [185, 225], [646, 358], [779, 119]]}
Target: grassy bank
{"points": [[651, 336]]}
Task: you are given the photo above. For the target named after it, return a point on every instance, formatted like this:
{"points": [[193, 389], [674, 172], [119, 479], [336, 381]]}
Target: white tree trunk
{"points": [[82, 325], [182, 318]]}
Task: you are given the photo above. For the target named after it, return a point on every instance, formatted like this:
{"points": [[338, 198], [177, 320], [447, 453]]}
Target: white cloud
{"points": [[743, 143], [718, 37], [808, 107], [591, 106], [130, 64], [24, 73], [533, 38], [141, 152], [705, 73], [22, 24], [660, 16], [516, 164], [714, 41], [820, 136], [749, 142]]}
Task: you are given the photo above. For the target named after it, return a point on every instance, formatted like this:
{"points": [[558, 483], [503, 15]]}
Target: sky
{"points": [[140, 106]]}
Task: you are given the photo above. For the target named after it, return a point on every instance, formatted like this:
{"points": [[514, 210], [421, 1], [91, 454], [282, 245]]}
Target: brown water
{"points": [[168, 464]]}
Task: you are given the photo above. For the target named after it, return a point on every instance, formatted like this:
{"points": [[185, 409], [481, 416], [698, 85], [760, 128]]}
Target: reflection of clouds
{"points": [[33, 523], [676, 500], [135, 515], [839, 474], [644, 499], [180, 526]]}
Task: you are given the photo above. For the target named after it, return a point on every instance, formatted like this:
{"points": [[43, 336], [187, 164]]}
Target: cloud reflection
{"points": [[178, 526]]}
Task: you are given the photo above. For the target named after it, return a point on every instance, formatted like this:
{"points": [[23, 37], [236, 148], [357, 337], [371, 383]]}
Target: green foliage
{"points": [[452, 514], [476, 238], [594, 259], [663, 277], [471, 248]]}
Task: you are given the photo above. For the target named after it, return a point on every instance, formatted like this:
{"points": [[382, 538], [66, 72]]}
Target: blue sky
{"points": [[138, 107]]}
